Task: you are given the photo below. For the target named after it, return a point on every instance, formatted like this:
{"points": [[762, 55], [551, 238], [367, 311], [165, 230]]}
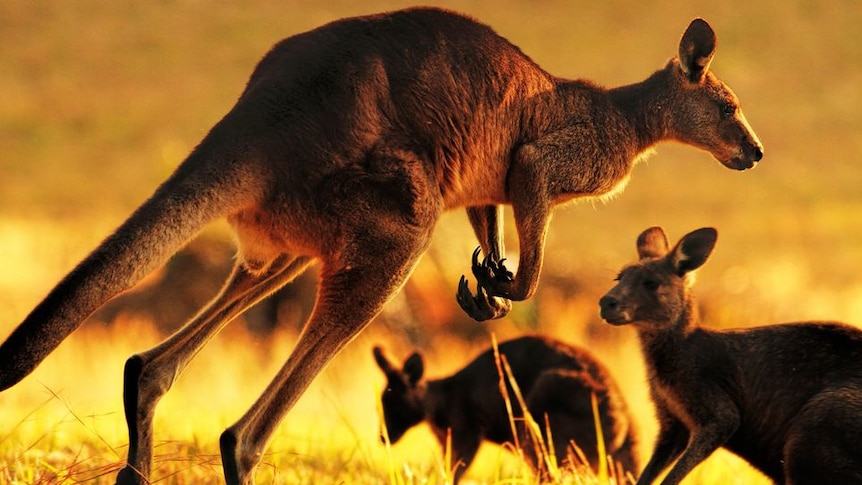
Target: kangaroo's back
{"points": [[528, 357], [428, 82]]}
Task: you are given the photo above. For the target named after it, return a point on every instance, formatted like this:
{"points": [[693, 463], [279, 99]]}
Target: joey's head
{"points": [[654, 293], [703, 110], [402, 399]]}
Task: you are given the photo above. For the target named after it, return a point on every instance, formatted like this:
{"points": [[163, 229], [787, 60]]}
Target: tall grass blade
{"points": [[600, 442], [531, 426], [504, 391]]}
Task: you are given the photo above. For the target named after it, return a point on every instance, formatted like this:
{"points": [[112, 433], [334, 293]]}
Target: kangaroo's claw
{"points": [[481, 307], [500, 272], [491, 274]]}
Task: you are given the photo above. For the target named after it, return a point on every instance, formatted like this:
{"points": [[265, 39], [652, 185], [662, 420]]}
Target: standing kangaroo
{"points": [[556, 380], [345, 147], [787, 398]]}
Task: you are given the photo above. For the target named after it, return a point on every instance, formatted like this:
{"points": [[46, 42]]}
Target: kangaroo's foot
{"points": [[235, 471], [129, 476], [482, 306]]}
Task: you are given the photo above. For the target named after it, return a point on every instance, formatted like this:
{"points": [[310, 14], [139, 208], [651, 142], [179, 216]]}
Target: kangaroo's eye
{"points": [[728, 109], [650, 285]]}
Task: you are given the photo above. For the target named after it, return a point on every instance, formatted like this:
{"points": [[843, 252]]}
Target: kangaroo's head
{"points": [[653, 293], [703, 111], [403, 398]]}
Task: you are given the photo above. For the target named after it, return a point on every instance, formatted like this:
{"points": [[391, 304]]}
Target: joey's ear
{"points": [[652, 243], [414, 368], [382, 361], [696, 50], [693, 250]]}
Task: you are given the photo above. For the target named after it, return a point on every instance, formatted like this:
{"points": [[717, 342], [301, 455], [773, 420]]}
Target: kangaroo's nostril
{"points": [[758, 154], [608, 302]]}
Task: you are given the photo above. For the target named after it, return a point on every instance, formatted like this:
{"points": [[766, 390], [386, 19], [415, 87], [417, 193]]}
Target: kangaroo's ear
{"points": [[414, 368], [652, 243], [382, 361], [696, 50], [693, 250]]}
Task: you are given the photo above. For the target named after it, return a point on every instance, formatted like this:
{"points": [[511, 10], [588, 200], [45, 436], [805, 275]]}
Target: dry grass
{"points": [[65, 425], [102, 99]]}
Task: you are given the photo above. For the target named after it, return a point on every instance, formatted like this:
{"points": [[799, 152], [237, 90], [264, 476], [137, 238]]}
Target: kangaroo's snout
{"points": [[611, 311], [607, 304], [750, 148], [757, 153], [751, 154]]}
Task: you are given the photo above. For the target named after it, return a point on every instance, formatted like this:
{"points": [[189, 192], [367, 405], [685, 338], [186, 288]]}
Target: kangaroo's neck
{"points": [[435, 397], [593, 136], [647, 107], [663, 346]]}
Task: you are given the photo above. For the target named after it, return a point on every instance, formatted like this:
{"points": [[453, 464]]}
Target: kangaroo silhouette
{"points": [[787, 398], [556, 380], [345, 147]]}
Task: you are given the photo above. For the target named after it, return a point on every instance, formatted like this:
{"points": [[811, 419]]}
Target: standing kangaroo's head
{"points": [[654, 292], [403, 397], [703, 110]]}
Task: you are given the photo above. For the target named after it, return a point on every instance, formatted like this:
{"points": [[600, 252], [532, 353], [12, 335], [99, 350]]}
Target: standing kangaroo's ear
{"points": [[652, 243], [414, 368], [693, 250], [696, 50]]}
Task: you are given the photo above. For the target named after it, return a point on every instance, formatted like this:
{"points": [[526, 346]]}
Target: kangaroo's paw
{"points": [[129, 476], [481, 307], [490, 273]]}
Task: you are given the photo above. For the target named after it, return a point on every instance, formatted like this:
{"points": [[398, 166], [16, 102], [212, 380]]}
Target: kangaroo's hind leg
{"points": [[559, 400], [354, 285], [149, 375]]}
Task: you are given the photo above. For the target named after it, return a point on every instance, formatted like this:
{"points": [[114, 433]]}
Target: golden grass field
{"points": [[100, 100]]}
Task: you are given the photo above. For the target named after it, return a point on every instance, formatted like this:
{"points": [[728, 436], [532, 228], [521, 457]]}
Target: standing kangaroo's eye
{"points": [[650, 285], [728, 109]]}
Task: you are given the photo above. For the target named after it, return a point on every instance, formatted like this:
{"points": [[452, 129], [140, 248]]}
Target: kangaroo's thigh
{"points": [[560, 401], [823, 442]]}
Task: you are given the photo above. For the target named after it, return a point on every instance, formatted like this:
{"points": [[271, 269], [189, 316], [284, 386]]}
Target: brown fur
{"points": [[345, 147], [787, 398], [556, 380]]}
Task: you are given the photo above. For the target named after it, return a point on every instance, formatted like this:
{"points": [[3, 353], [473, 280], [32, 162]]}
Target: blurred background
{"points": [[100, 101]]}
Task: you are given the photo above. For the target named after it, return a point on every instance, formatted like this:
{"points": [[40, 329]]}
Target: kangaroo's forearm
{"points": [[487, 222]]}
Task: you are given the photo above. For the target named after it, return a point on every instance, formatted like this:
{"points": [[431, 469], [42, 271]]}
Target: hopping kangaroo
{"points": [[556, 380], [345, 147], [787, 398]]}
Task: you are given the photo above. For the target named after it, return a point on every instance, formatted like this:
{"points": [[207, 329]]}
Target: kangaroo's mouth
{"points": [[749, 155], [740, 163], [614, 317], [616, 320]]}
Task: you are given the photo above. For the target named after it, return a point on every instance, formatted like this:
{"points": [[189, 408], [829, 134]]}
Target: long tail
{"points": [[202, 189]]}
